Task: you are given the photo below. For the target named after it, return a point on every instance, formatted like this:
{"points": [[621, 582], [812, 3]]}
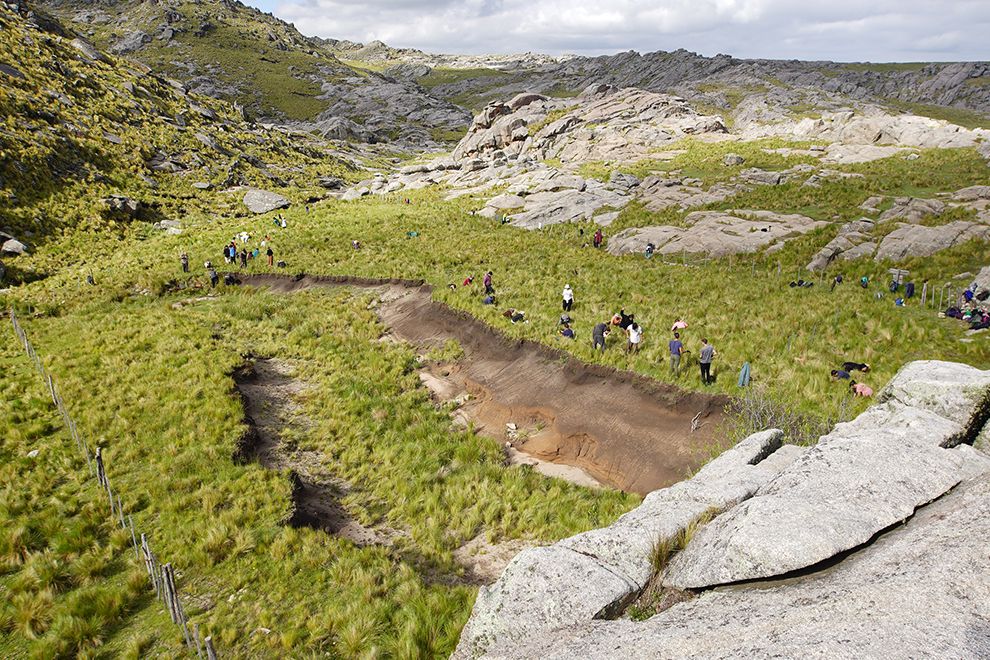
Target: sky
{"points": [[839, 30]]}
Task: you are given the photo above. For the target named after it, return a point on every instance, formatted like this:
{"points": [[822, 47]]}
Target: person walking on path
{"points": [[705, 360], [488, 283], [598, 336], [676, 350], [184, 260], [271, 256], [568, 296], [635, 334]]}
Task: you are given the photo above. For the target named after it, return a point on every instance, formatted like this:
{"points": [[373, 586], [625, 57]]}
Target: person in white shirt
{"points": [[635, 334], [568, 296]]}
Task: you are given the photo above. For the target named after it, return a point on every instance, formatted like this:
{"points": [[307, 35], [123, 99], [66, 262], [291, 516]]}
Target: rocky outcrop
{"points": [[922, 587], [871, 133], [662, 192], [858, 480], [922, 590], [603, 123], [264, 201], [593, 574], [912, 210], [921, 241], [716, 233], [853, 242], [133, 41]]}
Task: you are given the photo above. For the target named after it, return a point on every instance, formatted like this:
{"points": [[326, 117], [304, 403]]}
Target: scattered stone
{"points": [[202, 185], [88, 50], [872, 204], [732, 160], [133, 41], [13, 247], [33, 453], [11, 71], [124, 205], [263, 201], [355, 193], [762, 177], [623, 180]]}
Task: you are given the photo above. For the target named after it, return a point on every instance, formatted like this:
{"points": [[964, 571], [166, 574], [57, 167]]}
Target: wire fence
{"points": [[160, 576]]}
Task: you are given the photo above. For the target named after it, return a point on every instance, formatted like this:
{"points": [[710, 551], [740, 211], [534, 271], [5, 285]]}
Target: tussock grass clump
{"points": [[664, 549]]}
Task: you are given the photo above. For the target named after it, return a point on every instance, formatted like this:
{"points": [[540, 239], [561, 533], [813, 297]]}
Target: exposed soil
{"points": [[269, 391], [622, 429]]}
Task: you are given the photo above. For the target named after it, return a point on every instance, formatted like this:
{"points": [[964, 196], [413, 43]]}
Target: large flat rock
{"points": [[716, 233], [922, 590], [858, 480], [910, 240], [264, 201], [594, 574]]}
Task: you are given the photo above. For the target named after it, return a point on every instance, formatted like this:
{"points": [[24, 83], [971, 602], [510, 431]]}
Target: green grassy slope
{"points": [[264, 63], [74, 131], [168, 421]]}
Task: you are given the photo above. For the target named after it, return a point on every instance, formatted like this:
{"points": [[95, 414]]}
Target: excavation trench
{"points": [[622, 429], [268, 392]]}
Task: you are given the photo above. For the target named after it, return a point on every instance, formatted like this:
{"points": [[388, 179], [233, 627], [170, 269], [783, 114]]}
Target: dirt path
{"points": [[620, 428]]}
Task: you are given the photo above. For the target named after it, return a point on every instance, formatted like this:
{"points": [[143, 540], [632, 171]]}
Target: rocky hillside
{"points": [[958, 91], [737, 88], [224, 49], [92, 141], [651, 166]]}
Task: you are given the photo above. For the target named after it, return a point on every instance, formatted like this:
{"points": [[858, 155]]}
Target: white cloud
{"points": [[844, 30]]}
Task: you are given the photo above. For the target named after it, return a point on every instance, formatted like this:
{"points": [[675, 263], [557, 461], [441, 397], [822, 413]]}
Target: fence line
{"points": [[161, 577]]}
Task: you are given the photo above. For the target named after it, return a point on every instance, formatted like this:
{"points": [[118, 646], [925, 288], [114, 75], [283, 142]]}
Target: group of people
{"points": [[238, 252], [845, 373], [973, 308], [232, 255]]}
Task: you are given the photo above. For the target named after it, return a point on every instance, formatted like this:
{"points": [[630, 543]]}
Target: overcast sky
{"points": [[841, 30]]}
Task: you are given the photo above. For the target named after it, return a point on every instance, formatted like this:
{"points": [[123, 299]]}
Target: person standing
{"points": [[244, 256], [488, 283], [184, 260], [598, 336], [599, 237], [635, 334], [676, 350], [705, 360], [271, 255], [214, 277], [568, 296]]}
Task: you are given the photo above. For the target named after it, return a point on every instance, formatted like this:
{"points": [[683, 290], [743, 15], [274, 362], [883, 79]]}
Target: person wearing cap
{"points": [[568, 296]]}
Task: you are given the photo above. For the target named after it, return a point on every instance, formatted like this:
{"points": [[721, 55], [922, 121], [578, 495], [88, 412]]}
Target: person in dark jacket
{"points": [[598, 336]]}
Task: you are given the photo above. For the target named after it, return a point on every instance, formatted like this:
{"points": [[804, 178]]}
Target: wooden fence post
{"points": [[134, 538]]}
